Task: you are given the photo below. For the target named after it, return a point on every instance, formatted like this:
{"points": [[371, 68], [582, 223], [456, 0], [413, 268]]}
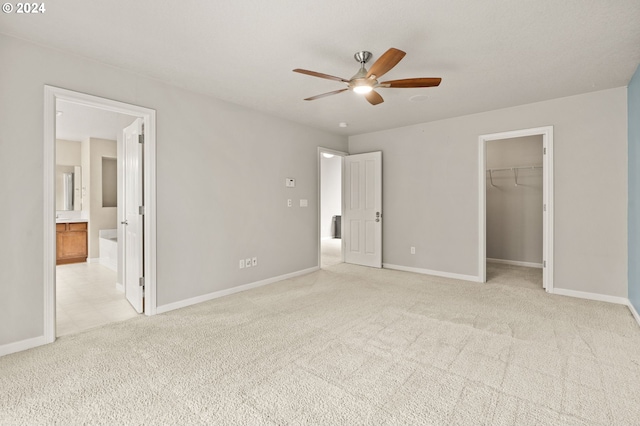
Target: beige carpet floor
{"points": [[331, 252], [345, 345]]}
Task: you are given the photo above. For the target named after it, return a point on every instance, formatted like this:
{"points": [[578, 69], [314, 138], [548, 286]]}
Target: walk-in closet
{"points": [[514, 203]]}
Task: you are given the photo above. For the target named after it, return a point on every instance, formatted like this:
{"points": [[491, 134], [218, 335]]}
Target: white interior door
{"points": [[133, 220], [362, 223]]}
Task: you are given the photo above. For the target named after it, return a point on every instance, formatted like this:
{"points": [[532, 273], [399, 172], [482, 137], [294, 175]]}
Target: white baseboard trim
{"points": [[93, 260], [432, 272], [515, 263], [229, 291], [108, 263], [22, 345], [633, 311], [591, 296]]}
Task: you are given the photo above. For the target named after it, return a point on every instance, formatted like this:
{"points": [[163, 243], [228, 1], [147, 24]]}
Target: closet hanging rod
{"points": [[511, 169], [503, 169]]}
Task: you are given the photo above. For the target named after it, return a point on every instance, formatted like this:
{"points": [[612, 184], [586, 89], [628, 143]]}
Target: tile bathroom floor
{"points": [[86, 297]]}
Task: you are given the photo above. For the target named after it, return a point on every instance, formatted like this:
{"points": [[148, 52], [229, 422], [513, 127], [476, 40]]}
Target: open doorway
{"points": [[88, 146], [516, 205], [514, 211], [330, 166], [146, 277]]}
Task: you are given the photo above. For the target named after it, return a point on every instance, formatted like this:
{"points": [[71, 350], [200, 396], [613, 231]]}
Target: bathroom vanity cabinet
{"points": [[71, 242]]}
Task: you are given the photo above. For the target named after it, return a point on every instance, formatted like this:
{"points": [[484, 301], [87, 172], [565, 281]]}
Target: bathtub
{"points": [[108, 246]]}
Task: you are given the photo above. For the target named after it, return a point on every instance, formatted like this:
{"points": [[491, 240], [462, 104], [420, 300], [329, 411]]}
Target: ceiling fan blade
{"points": [[374, 97], [388, 60], [325, 94], [319, 74], [412, 82]]}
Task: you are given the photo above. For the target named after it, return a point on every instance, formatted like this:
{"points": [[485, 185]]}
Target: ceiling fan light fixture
{"points": [[362, 88]]}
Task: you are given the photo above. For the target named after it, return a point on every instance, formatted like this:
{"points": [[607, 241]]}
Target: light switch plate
{"points": [[247, 262]]}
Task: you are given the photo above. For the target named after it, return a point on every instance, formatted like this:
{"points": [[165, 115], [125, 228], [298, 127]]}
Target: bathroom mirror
{"points": [[68, 188]]}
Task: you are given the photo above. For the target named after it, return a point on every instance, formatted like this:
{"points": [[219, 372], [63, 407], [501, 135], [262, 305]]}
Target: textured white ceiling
{"points": [[490, 54]]}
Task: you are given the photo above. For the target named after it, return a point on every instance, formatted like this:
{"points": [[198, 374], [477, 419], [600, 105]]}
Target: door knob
{"points": [[377, 216], [124, 222]]}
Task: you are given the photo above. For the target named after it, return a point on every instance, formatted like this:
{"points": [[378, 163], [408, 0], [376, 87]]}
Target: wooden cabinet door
{"points": [[71, 243]]}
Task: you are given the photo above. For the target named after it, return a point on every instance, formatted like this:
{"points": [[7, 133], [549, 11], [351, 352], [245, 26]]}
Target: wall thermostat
{"points": [[290, 182]]}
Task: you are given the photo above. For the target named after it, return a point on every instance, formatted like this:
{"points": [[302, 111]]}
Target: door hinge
{"points": [[141, 281], [141, 210], [544, 263], [544, 208], [544, 151], [141, 138]]}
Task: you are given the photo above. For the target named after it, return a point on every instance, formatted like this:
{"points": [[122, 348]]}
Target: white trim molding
{"points": [[51, 96], [633, 312], [22, 345], [515, 263], [232, 290], [591, 296], [547, 194], [422, 271]]}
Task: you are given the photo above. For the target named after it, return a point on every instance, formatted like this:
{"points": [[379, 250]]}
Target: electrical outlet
{"points": [[304, 203], [413, 250], [254, 261], [247, 262], [241, 263], [289, 202]]}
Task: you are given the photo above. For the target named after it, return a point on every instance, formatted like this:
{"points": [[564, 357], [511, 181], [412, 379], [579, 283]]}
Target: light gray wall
{"points": [[514, 213], [331, 193], [430, 188], [220, 183]]}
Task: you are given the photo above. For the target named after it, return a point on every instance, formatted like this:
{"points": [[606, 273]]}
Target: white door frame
{"points": [[322, 150], [51, 95], [547, 199]]}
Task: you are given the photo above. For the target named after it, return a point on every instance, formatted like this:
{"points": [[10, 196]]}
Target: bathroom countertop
{"points": [[63, 220]]}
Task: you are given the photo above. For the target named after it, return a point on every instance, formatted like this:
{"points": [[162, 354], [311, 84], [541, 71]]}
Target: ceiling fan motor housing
{"points": [[359, 83]]}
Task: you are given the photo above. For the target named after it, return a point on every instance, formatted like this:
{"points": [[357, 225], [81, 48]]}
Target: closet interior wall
{"points": [[514, 200]]}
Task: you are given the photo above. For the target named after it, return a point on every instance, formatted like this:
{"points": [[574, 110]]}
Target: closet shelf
{"points": [[512, 169]]}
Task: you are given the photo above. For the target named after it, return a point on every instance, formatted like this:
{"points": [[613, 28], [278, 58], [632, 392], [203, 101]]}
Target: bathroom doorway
{"points": [[87, 289]]}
